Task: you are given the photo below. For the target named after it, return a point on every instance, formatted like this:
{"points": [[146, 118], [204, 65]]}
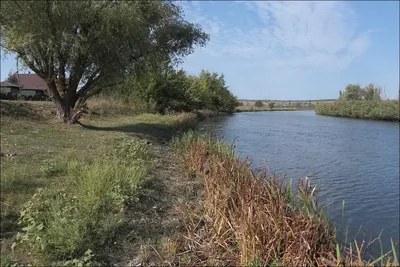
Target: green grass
{"points": [[69, 185], [374, 110]]}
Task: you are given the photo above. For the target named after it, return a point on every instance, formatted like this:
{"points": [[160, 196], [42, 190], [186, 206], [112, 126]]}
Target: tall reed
{"points": [[254, 219]]}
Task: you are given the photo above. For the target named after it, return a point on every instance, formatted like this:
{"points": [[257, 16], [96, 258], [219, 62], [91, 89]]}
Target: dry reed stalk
{"points": [[246, 218]]}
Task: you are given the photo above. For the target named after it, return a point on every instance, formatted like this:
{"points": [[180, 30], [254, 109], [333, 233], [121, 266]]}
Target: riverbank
{"points": [[154, 210], [242, 215], [95, 192], [387, 110], [257, 109]]}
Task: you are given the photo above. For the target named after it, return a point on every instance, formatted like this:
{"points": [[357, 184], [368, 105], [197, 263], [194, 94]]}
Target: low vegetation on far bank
{"points": [[268, 105], [361, 103], [264, 108], [387, 110]]}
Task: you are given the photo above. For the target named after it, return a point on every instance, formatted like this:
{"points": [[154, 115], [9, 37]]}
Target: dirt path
{"points": [[155, 219]]}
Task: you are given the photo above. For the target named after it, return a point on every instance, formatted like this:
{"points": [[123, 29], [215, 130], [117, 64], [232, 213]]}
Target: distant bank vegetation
{"points": [[361, 103], [270, 105]]}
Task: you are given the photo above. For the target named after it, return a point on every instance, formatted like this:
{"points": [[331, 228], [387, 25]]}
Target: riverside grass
{"points": [[374, 110], [246, 219], [73, 202], [86, 245]]}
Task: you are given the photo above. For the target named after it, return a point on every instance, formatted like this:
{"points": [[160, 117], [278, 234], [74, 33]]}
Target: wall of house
{"points": [[28, 92], [5, 90]]}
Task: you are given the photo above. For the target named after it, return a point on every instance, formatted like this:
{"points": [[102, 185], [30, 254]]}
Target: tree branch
{"points": [[30, 63], [92, 80]]}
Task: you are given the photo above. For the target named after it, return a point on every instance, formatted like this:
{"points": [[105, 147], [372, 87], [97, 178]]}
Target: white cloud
{"points": [[288, 35]]}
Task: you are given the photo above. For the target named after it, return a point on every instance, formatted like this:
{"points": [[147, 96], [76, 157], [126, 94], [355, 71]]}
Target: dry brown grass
{"points": [[255, 220], [247, 219], [110, 106]]}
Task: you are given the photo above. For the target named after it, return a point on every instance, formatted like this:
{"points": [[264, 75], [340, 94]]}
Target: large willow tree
{"points": [[91, 45]]}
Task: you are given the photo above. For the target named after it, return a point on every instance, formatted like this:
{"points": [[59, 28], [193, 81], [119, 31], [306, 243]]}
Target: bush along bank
{"points": [[374, 110], [73, 225], [256, 220]]}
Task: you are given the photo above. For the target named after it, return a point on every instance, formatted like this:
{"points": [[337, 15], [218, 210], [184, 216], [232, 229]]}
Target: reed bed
{"points": [[360, 109], [248, 219]]}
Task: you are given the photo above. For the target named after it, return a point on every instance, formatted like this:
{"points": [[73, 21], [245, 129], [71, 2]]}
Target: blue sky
{"points": [[298, 50], [294, 50]]}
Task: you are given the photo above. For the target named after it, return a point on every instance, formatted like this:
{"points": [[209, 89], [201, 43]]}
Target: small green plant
{"points": [[87, 260], [48, 167], [132, 149]]}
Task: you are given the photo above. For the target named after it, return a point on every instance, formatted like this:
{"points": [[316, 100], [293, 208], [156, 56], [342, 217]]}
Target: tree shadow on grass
{"points": [[159, 133]]}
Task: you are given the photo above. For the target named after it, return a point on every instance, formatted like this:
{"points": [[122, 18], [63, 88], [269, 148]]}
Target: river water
{"points": [[352, 160]]}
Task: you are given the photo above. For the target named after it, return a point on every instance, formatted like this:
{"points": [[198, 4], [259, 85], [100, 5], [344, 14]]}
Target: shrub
{"points": [[62, 224], [271, 105], [258, 104]]}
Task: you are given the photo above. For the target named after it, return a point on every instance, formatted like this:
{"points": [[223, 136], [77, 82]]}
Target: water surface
{"points": [[352, 160]]}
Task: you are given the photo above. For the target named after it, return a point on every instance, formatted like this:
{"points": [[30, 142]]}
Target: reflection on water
{"points": [[352, 160]]}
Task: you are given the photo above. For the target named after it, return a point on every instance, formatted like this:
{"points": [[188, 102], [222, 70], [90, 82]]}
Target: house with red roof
{"points": [[30, 87]]}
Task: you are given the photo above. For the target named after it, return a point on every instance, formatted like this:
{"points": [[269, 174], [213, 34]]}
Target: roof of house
{"points": [[31, 82], [8, 84]]}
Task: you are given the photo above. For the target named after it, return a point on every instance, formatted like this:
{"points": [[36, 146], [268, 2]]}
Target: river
{"points": [[352, 160]]}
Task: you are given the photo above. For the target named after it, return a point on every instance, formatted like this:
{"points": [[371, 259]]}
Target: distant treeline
{"points": [[164, 89], [362, 103]]}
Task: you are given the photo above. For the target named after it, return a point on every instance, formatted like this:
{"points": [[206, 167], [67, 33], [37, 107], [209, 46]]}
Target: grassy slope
{"points": [[43, 147]]}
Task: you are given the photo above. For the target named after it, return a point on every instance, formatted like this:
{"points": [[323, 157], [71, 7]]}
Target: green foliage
{"points": [[160, 88], [356, 102], [353, 92], [258, 104], [94, 43], [62, 224], [208, 91], [372, 93], [163, 89]]}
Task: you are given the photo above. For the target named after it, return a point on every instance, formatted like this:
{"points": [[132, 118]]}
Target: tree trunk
{"points": [[67, 109], [67, 114]]}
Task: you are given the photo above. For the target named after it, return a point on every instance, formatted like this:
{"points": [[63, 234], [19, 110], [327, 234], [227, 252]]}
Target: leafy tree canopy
{"points": [[92, 44]]}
